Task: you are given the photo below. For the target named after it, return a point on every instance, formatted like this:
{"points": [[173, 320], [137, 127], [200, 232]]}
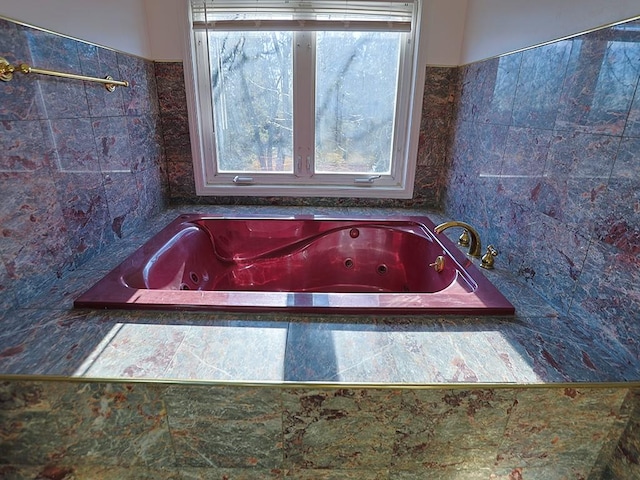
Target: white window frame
{"points": [[398, 184]]}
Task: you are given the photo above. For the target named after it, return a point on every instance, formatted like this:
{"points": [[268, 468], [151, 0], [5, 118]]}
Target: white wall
{"points": [[458, 31], [494, 27], [118, 24]]}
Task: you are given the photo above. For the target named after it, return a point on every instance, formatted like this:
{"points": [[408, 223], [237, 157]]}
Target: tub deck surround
{"points": [[46, 335], [301, 263]]}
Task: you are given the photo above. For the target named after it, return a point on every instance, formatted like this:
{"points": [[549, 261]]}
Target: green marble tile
{"points": [[214, 473], [230, 427], [445, 429], [112, 424], [333, 474], [560, 427], [341, 429]]}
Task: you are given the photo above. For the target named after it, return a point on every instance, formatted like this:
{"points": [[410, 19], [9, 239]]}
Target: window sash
{"points": [[304, 182], [304, 169]]}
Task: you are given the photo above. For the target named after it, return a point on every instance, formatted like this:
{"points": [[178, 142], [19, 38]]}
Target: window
{"points": [[304, 98]]}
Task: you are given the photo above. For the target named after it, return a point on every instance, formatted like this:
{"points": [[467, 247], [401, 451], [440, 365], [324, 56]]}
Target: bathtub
{"points": [[299, 263]]}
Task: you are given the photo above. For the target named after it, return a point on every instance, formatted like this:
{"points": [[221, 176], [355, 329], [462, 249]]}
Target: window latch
{"points": [[242, 180], [368, 180]]}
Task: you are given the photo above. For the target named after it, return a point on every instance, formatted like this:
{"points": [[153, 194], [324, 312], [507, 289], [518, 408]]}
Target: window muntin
{"points": [[288, 132]]}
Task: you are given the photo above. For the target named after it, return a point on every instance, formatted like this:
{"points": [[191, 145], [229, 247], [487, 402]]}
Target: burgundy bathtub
{"points": [[301, 263]]}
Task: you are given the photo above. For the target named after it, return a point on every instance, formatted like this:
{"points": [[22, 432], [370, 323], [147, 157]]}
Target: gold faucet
{"points": [[475, 246]]}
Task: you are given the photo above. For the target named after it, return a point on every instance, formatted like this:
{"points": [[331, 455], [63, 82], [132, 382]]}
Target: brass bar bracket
{"points": [[7, 70]]}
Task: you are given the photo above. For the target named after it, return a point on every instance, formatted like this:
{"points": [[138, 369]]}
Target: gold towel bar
{"points": [[6, 74]]}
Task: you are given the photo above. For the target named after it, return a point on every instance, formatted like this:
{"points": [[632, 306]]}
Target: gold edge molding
{"points": [[318, 385], [76, 39]]}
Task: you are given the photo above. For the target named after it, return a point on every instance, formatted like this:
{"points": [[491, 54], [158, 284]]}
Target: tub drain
{"points": [[348, 263], [382, 269]]}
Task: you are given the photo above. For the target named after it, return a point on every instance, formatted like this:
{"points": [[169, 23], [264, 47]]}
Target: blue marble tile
{"points": [[100, 62], [34, 240], [112, 143], [539, 85], [25, 146], [555, 254], [20, 99], [607, 298], [140, 97], [525, 152], [499, 104], [82, 199], [123, 198], [75, 145], [63, 98], [574, 186], [145, 138], [633, 121], [618, 224], [601, 78], [477, 82]]}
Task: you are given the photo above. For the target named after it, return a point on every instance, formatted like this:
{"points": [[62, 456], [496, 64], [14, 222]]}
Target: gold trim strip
{"points": [[318, 385], [7, 70]]}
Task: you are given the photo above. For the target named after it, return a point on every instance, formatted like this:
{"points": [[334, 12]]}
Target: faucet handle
{"points": [[463, 240], [488, 258]]}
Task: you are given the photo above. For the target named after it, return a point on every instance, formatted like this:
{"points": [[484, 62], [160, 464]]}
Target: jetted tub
{"points": [[301, 263]]}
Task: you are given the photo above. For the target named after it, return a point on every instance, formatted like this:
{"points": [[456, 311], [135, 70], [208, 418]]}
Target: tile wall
{"points": [[68, 430], [80, 167], [545, 162]]}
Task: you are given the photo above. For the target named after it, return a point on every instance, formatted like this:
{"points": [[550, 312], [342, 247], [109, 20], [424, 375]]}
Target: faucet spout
{"points": [[475, 245]]}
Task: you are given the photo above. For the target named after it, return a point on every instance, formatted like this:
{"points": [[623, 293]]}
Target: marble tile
{"points": [[632, 128], [335, 352], [226, 427], [542, 430], [231, 351], [34, 240], [20, 99], [339, 429], [440, 429], [212, 473], [100, 62], [438, 101], [63, 98], [75, 145], [606, 296], [123, 198], [334, 474], [140, 97], [145, 139], [488, 90], [114, 424], [135, 351], [601, 78], [554, 260], [104, 424], [539, 85], [25, 146], [83, 201], [112, 144], [50, 346], [619, 223], [525, 153], [172, 97]]}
